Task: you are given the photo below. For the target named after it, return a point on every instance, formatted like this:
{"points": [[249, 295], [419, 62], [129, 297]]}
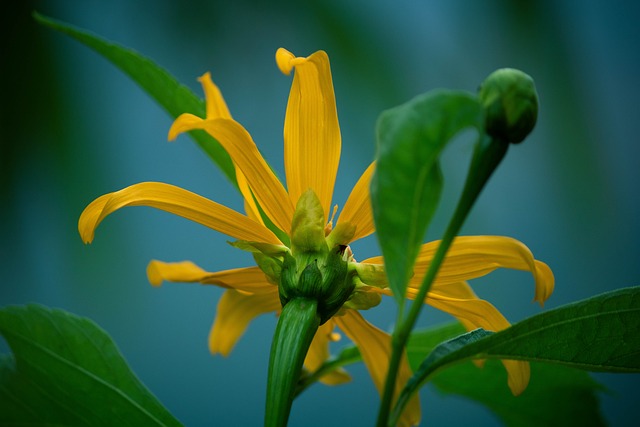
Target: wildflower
{"points": [[282, 226]]}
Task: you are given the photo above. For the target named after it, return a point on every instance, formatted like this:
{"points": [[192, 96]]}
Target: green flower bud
{"points": [[511, 104]]}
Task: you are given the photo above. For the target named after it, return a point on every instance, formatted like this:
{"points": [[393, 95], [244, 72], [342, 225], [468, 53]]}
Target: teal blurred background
{"points": [[73, 127]]}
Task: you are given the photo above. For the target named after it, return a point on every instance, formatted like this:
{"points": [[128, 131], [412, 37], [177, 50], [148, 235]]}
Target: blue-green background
{"points": [[73, 128]]}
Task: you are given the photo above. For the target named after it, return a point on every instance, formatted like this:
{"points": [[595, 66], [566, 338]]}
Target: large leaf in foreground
{"points": [[156, 81], [406, 186], [67, 371]]}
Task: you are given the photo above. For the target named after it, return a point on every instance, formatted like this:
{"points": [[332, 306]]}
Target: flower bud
{"points": [[511, 104]]}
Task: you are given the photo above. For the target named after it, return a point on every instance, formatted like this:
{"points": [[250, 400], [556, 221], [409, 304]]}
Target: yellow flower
{"points": [[312, 151]]}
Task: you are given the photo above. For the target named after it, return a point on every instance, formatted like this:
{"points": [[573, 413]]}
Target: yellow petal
{"points": [[235, 312], [217, 109], [250, 206], [475, 256], [375, 347], [519, 373], [319, 353], [184, 123], [216, 106], [266, 187], [250, 280], [357, 209], [311, 132], [178, 201], [459, 300]]}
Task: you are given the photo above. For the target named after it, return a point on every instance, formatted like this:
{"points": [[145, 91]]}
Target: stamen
{"points": [[329, 226]]}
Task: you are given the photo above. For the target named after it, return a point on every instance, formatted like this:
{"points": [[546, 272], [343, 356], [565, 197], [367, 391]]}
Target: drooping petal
{"points": [[178, 201], [250, 280], [311, 132], [234, 313], [375, 347], [357, 209], [459, 300], [470, 257], [319, 353], [266, 187], [216, 106]]}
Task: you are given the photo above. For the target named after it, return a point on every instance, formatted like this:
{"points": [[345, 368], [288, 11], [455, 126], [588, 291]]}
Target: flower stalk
{"points": [[296, 328]]}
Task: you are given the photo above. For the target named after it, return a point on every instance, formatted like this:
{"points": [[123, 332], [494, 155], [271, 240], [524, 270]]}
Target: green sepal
{"points": [[261, 247], [372, 274], [363, 298], [270, 266], [307, 226], [341, 235], [296, 328]]}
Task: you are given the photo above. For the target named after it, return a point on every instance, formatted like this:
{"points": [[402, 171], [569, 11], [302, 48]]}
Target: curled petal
{"points": [[375, 347], [177, 201], [319, 353], [357, 209], [459, 300], [311, 132], [249, 280], [266, 187], [475, 256], [235, 312]]}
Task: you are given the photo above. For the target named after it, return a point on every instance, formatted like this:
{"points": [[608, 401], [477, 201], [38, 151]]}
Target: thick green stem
{"points": [[486, 157], [296, 328]]}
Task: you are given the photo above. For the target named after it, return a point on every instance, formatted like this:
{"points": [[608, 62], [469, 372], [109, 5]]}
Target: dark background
{"points": [[73, 128]]}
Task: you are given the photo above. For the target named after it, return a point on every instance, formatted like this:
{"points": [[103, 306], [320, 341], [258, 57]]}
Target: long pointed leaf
{"points": [[174, 97]]}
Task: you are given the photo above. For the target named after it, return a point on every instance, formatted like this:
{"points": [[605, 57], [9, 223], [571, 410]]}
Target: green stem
{"points": [[487, 155], [296, 328]]}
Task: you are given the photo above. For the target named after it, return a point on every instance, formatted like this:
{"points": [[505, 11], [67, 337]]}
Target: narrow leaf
{"points": [[406, 186], [67, 371], [174, 97]]}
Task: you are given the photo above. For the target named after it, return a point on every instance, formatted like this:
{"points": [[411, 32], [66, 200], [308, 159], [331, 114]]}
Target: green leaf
{"points": [[174, 97], [556, 395], [597, 334], [67, 371], [406, 186]]}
